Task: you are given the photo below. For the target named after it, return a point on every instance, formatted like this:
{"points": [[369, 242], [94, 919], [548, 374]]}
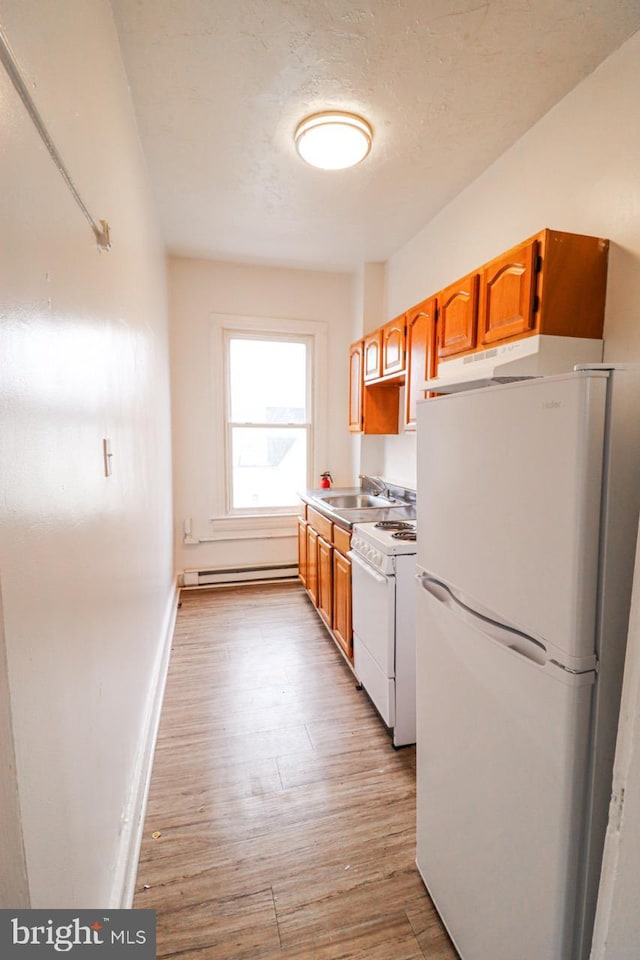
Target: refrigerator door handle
{"points": [[510, 637]]}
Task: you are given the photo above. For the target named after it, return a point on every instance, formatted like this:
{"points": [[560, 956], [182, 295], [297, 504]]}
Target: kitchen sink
{"points": [[357, 501]]}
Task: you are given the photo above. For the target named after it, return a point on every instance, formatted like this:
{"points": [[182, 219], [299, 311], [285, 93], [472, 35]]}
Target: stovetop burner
{"points": [[405, 534], [394, 525]]}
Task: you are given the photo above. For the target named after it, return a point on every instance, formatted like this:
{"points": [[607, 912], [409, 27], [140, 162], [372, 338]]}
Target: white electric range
{"points": [[384, 621]]}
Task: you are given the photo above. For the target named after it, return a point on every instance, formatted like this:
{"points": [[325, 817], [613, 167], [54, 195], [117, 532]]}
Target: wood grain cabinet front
{"points": [[373, 406], [458, 317], [302, 551], [312, 564], [356, 355], [554, 283], [572, 284], [325, 572], [422, 356], [342, 629], [373, 356], [325, 581], [508, 294], [393, 346]]}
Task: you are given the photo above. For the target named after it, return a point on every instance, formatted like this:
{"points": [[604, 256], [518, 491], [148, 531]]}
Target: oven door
{"points": [[374, 614]]}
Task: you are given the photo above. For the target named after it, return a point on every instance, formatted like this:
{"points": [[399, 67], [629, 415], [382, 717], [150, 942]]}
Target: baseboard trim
{"points": [[123, 887]]}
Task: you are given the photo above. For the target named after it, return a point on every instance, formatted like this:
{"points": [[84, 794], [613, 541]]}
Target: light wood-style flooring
{"points": [[281, 821]]}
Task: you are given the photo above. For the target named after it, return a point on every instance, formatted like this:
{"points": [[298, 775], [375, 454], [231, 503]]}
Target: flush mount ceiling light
{"points": [[333, 140]]}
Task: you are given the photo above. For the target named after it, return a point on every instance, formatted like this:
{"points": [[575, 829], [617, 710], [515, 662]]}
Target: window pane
{"points": [[269, 466], [267, 380]]}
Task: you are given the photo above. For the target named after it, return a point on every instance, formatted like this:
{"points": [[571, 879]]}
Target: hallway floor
{"points": [[286, 819]]}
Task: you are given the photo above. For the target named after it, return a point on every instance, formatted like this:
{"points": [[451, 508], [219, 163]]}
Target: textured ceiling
{"points": [[220, 85]]}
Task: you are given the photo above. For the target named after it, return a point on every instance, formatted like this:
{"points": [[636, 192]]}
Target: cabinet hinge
{"points": [[538, 267], [536, 303]]}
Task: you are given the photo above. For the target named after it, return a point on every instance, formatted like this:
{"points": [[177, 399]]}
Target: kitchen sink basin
{"points": [[357, 501]]}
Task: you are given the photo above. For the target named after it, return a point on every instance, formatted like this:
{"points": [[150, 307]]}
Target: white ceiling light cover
{"points": [[333, 140]]}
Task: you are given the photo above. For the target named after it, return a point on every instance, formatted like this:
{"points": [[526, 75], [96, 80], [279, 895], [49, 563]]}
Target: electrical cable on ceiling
{"points": [[99, 227]]}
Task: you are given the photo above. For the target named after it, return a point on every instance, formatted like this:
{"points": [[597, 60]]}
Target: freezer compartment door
{"points": [[508, 510], [502, 747]]}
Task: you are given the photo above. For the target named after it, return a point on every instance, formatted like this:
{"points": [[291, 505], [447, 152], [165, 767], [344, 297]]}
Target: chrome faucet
{"points": [[375, 484]]}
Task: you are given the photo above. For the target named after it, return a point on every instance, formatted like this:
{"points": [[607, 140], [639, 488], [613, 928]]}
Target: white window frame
{"points": [[245, 523], [307, 425]]}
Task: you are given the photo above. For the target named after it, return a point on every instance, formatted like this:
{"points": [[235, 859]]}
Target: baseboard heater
{"points": [[230, 575]]}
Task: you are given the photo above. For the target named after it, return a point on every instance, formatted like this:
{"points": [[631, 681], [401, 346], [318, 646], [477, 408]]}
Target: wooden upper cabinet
{"points": [[393, 346], [356, 353], [421, 356], [458, 318], [552, 284], [381, 407], [555, 283], [572, 284], [508, 294], [373, 355]]}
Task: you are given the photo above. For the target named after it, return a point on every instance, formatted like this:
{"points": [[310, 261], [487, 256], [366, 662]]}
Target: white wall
{"points": [[85, 561], [578, 170], [14, 887], [200, 289]]}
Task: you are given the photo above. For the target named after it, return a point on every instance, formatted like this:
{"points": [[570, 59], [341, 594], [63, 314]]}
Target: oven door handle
{"points": [[368, 569]]}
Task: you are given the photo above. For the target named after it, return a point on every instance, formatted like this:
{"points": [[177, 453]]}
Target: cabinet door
{"points": [[373, 355], [393, 345], [421, 356], [325, 581], [355, 387], [507, 295], [458, 319], [342, 630], [302, 551], [312, 564], [572, 284]]}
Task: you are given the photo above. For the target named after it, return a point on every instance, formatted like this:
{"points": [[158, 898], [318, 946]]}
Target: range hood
{"points": [[537, 356]]}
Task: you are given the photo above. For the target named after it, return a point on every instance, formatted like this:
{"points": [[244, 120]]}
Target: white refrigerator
{"points": [[527, 514]]}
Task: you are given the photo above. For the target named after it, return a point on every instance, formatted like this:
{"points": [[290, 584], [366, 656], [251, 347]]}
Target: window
{"points": [[268, 420]]}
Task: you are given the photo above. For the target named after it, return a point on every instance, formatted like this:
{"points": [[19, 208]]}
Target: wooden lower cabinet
{"points": [[325, 581], [302, 551], [325, 572], [312, 564], [342, 602]]}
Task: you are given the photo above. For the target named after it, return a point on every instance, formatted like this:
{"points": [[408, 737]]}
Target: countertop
{"points": [[346, 517]]}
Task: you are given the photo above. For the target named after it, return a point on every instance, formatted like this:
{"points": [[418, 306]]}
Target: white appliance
{"points": [[528, 500], [534, 356], [384, 621]]}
